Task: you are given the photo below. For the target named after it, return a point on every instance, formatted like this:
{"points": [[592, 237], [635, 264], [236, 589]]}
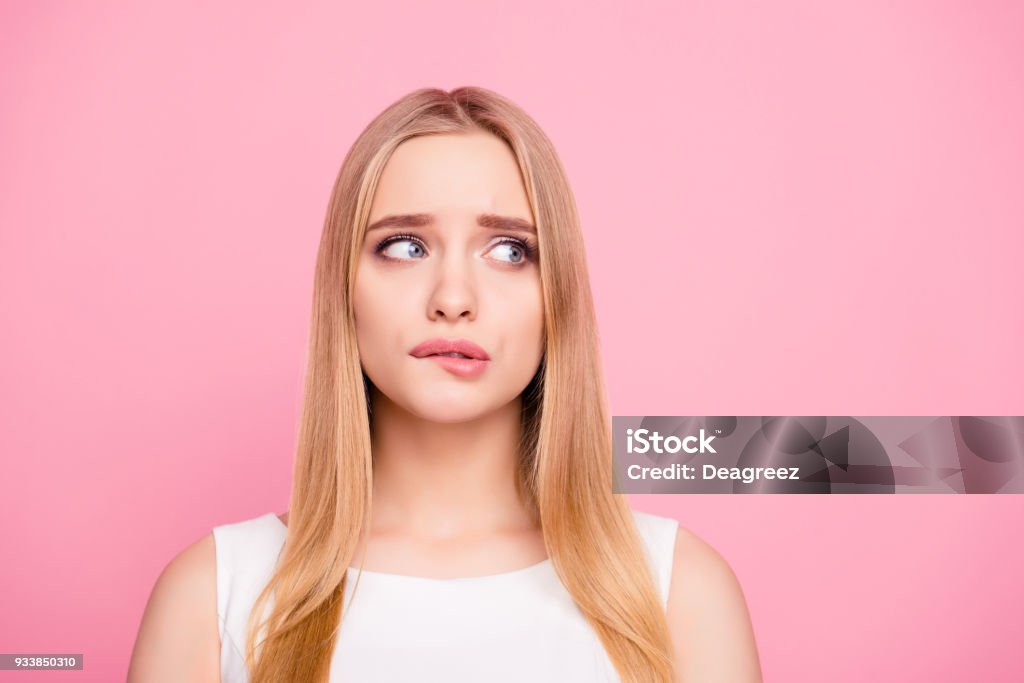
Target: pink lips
{"points": [[475, 362]]}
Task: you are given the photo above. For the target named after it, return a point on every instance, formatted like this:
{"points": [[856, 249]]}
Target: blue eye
{"points": [[414, 249], [519, 250]]}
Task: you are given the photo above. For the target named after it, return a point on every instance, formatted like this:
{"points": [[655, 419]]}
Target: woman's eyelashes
{"points": [[413, 250], [410, 248]]}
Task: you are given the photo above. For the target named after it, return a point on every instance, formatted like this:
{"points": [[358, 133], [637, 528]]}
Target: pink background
{"points": [[790, 208]]}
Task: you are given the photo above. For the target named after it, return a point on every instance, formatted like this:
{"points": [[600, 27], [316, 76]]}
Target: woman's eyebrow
{"points": [[484, 220]]}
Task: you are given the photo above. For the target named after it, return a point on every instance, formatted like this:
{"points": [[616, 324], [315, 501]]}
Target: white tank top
{"points": [[520, 625]]}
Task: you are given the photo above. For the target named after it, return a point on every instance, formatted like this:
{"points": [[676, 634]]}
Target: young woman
{"points": [[452, 515]]}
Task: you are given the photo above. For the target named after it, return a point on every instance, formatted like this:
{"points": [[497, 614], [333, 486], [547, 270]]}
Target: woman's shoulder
{"points": [[698, 568], [248, 528], [707, 611], [179, 631], [246, 552], [690, 554]]}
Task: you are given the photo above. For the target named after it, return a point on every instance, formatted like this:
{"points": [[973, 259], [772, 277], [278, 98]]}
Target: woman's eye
{"points": [[516, 252], [402, 249]]}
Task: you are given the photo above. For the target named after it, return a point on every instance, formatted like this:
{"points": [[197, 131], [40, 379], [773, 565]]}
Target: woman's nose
{"points": [[453, 294]]}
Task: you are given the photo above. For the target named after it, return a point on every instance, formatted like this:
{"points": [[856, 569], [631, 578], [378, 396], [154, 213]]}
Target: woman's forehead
{"points": [[451, 174]]}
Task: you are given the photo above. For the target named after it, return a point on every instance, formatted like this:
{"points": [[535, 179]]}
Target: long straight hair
{"points": [[564, 475]]}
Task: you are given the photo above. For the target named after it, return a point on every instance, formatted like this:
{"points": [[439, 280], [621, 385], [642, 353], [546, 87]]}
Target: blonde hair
{"points": [[565, 473]]}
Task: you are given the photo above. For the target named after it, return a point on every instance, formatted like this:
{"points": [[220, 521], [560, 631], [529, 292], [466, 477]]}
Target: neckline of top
{"points": [[389, 576]]}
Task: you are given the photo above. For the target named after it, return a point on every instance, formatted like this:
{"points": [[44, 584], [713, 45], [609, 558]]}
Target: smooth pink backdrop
{"points": [[790, 208]]}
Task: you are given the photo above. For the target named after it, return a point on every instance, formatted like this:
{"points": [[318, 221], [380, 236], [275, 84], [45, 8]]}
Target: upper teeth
{"points": [[453, 354]]}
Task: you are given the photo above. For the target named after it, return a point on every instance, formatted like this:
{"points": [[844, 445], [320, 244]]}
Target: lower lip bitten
{"points": [[464, 367]]}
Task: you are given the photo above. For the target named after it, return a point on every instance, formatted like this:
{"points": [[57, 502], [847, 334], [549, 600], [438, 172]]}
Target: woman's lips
{"points": [[464, 367], [440, 345]]}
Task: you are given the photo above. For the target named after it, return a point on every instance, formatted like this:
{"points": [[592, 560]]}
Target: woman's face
{"points": [[453, 257]]}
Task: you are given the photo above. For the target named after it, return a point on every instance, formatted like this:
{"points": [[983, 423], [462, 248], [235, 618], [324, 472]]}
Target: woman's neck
{"points": [[443, 480]]}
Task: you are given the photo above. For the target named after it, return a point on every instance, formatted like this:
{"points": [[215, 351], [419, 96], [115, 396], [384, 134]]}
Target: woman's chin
{"points": [[443, 407]]}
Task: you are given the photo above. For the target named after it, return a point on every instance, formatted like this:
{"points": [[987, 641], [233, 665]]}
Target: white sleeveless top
{"points": [[521, 625]]}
